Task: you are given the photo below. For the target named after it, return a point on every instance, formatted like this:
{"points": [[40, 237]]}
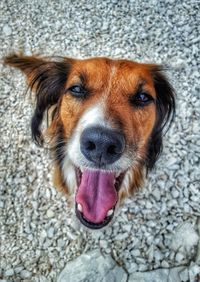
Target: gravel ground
{"points": [[158, 228]]}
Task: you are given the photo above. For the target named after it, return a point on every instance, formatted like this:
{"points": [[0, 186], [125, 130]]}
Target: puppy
{"points": [[107, 121]]}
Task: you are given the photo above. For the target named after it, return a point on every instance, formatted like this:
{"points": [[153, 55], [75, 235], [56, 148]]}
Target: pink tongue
{"points": [[96, 194]]}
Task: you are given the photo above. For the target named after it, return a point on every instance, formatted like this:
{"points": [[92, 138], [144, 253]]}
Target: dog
{"points": [[107, 118]]}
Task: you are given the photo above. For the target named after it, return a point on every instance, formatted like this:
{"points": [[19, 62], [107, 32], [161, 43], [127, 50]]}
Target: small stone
{"points": [[25, 274], [60, 243], [185, 236], [50, 232], [184, 275], [122, 236], [103, 243], [172, 203], [165, 264], [9, 272], [171, 162], [50, 213], [148, 205], [156, 193], [179, 257], [150, 253], [135, 253], [43, 234], [142, 267], [132, 267], [194, 271], [158, 255], [7, 30], [175, 193], [127, 227], [19, 269]]}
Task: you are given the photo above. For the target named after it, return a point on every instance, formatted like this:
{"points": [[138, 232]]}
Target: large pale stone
{"points": [[164, 275], [92, 267]]}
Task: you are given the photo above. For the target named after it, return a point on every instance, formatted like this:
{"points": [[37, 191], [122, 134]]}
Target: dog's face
{"points": [[106, 128]]}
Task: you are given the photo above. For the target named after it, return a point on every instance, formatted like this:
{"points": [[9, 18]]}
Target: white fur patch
{"points": [[69, 174], [93, 116]]}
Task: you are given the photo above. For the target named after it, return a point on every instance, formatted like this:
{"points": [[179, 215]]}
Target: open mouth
{"points": [[96, 196]]}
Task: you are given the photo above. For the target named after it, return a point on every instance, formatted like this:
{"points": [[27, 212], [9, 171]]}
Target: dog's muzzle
{"points": [[97, 192], [102, 146]]}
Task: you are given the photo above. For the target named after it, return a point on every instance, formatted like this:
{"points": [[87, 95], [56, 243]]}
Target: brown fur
{"points": [[114, 81]]}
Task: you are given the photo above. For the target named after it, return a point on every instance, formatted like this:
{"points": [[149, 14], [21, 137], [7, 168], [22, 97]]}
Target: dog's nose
{"points": [[101, 145]]}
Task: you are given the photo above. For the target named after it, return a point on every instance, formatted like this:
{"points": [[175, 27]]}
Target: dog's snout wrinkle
{"points": [[102, 145]]}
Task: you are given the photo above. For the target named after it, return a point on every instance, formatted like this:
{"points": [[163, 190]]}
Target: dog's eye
{"points": [[77, 91], [141, 99]]}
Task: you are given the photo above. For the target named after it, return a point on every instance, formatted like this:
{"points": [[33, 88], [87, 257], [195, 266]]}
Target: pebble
{"points": [[175, 193], [7, 30], [184, 275], [19, 269], [135, 253], [50, 213], [50, 232], [179, 257], [194, 272], [9, 272], [156, 193], [103, 243], [25, 274], [164, 264]]}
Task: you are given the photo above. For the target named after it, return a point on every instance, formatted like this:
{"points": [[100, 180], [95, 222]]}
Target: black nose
{"points": [[101, 145]]}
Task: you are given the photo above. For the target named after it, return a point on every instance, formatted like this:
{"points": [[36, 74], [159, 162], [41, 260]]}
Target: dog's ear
{"points": [[165, 111], [47, 79]]}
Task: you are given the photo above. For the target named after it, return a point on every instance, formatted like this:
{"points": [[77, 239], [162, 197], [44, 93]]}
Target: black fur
{"points": [[59, 148], [47, 79], [165, 111]]}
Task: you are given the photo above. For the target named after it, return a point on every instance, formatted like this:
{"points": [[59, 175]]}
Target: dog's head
{"points": [[107, 120]]}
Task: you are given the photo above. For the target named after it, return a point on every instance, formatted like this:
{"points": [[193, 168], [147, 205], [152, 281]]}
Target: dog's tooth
{"points": [[80, 207], [110, 212]]}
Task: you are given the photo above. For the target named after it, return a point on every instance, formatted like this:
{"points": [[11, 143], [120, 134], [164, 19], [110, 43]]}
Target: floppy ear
{"points": [[165, 111], [47, 78]]}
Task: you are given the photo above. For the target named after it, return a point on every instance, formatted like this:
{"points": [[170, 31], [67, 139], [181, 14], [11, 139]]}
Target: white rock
{"points": [[7, 30], [9, 272], [175, 193], [194, 270], [156, 193], [179, 257], [1, 204], [25, 274], [132, 267], [135, 253], [185, 236], [19, 269], [43, 234], [184, 275], [164, 264], [50, 232], [86, 266], [150, 253], [156, 275]]}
